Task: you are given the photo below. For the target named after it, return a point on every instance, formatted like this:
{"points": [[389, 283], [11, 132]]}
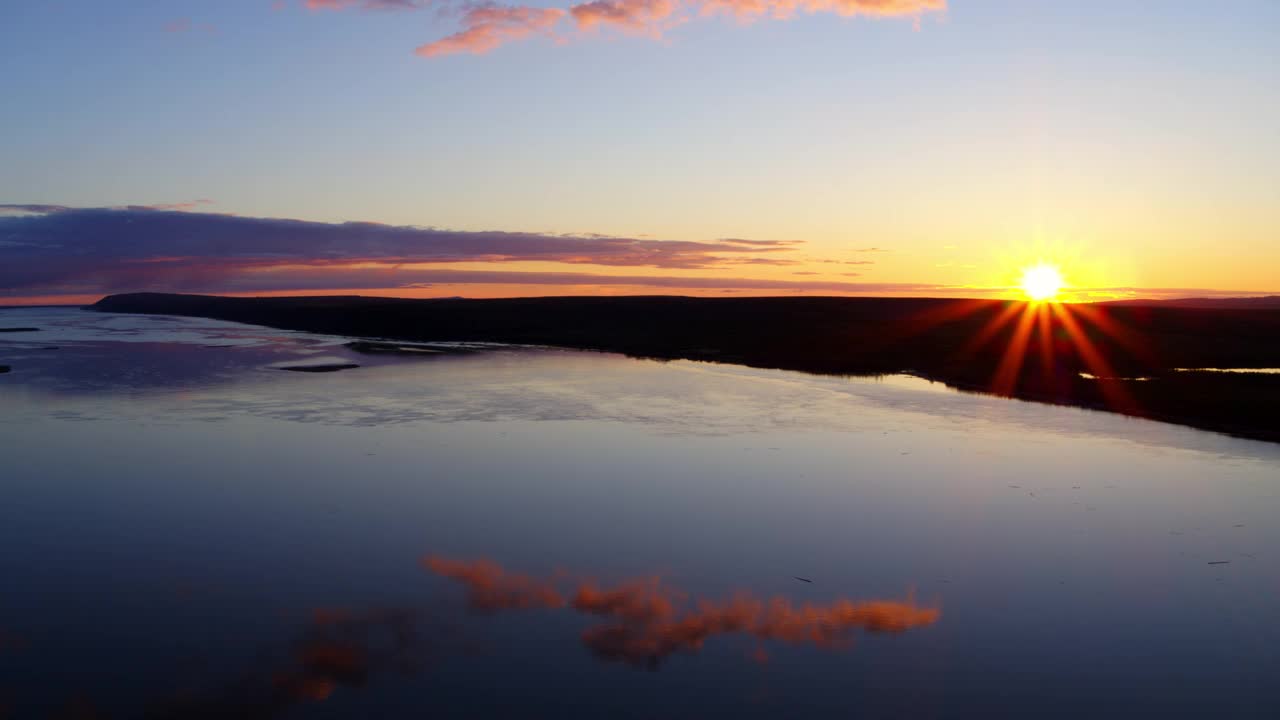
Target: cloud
{"points": [[783, 9], [763, 243], [338, 649], [646, 643], [51, 248], [640, 16], [843, 262], [758, 261], [1130, 292], [490, 588], [50, 251], [363, 4], [644, 621], [180, 275], [488, 26], [15, 209], [188, 205]]}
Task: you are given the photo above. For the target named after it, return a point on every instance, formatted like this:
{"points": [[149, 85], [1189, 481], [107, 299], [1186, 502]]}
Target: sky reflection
{"points": [[639, 622], [252, 543], [214, 371]]}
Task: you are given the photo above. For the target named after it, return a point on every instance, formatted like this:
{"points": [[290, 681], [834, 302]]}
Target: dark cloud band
{"points": [[52, 249]]}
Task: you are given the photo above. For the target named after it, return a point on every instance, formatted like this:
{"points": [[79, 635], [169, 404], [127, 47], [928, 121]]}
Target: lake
{"points": [[189, 531]]}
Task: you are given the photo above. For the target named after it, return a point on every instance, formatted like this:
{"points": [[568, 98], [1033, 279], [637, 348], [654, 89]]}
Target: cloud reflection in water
{"points": [[642, 622], [338, 648], [647, 621]]}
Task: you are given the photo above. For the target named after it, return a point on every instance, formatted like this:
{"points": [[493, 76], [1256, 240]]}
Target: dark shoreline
{"points": [[1142, 346]]}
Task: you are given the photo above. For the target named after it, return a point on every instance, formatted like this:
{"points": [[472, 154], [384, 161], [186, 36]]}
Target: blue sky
{"points": [[1129, 133]]}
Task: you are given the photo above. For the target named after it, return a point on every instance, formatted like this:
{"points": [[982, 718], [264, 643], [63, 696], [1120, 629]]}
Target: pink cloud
{"points": [[641, 16], [488, 26], [362, 4], [651, 17], [782, 9]]}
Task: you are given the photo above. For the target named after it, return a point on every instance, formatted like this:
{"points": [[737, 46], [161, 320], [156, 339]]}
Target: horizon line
{"points": [[16, 303]]}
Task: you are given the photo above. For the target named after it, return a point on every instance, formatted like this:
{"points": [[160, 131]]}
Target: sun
{"points": [[1041, 282]]}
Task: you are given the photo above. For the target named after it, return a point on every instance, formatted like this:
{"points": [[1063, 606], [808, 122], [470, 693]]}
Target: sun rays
{"points": [[1039, 347]]}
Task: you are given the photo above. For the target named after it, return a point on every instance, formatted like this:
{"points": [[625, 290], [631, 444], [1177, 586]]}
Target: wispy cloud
{"points": [[364, 4], [185, 205], [740, 241], [486, 26], [638, 16], [643, 621], [52, 248], [51, 251], [783, 9], [320, 277]]}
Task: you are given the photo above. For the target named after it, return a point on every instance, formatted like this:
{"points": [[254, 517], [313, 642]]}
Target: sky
{"points": [[702, 147]]}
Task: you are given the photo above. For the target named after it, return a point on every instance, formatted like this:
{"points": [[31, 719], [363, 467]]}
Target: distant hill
{"points": [[1269, 302]]}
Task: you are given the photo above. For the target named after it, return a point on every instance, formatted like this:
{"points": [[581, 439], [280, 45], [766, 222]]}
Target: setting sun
{"points": [[1041, 282]]}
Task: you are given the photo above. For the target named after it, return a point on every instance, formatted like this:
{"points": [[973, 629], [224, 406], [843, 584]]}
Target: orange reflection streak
{"points": [[491, 588], [338, 649], [990, 329], [1044, 329], [646, 643], [948, 313], [930, 319], [642, 601], [1063, 345], [1096, 318], [649, 622], [645, 622], [342, 648], [1006, 377], [1114, 394]]}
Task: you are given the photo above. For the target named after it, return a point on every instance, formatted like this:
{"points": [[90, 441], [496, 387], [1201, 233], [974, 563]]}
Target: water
{"points": [[187, 531], [1265, 371]]}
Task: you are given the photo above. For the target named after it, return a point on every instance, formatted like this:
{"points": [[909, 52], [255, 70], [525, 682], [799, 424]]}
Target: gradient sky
{"points": [[929, 147]]}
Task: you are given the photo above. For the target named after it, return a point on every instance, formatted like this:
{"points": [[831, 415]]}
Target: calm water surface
{"points": [[187, 531]]}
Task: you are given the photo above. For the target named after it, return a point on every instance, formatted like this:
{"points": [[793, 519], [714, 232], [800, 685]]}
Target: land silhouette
{"points": [[1153, 360]]}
